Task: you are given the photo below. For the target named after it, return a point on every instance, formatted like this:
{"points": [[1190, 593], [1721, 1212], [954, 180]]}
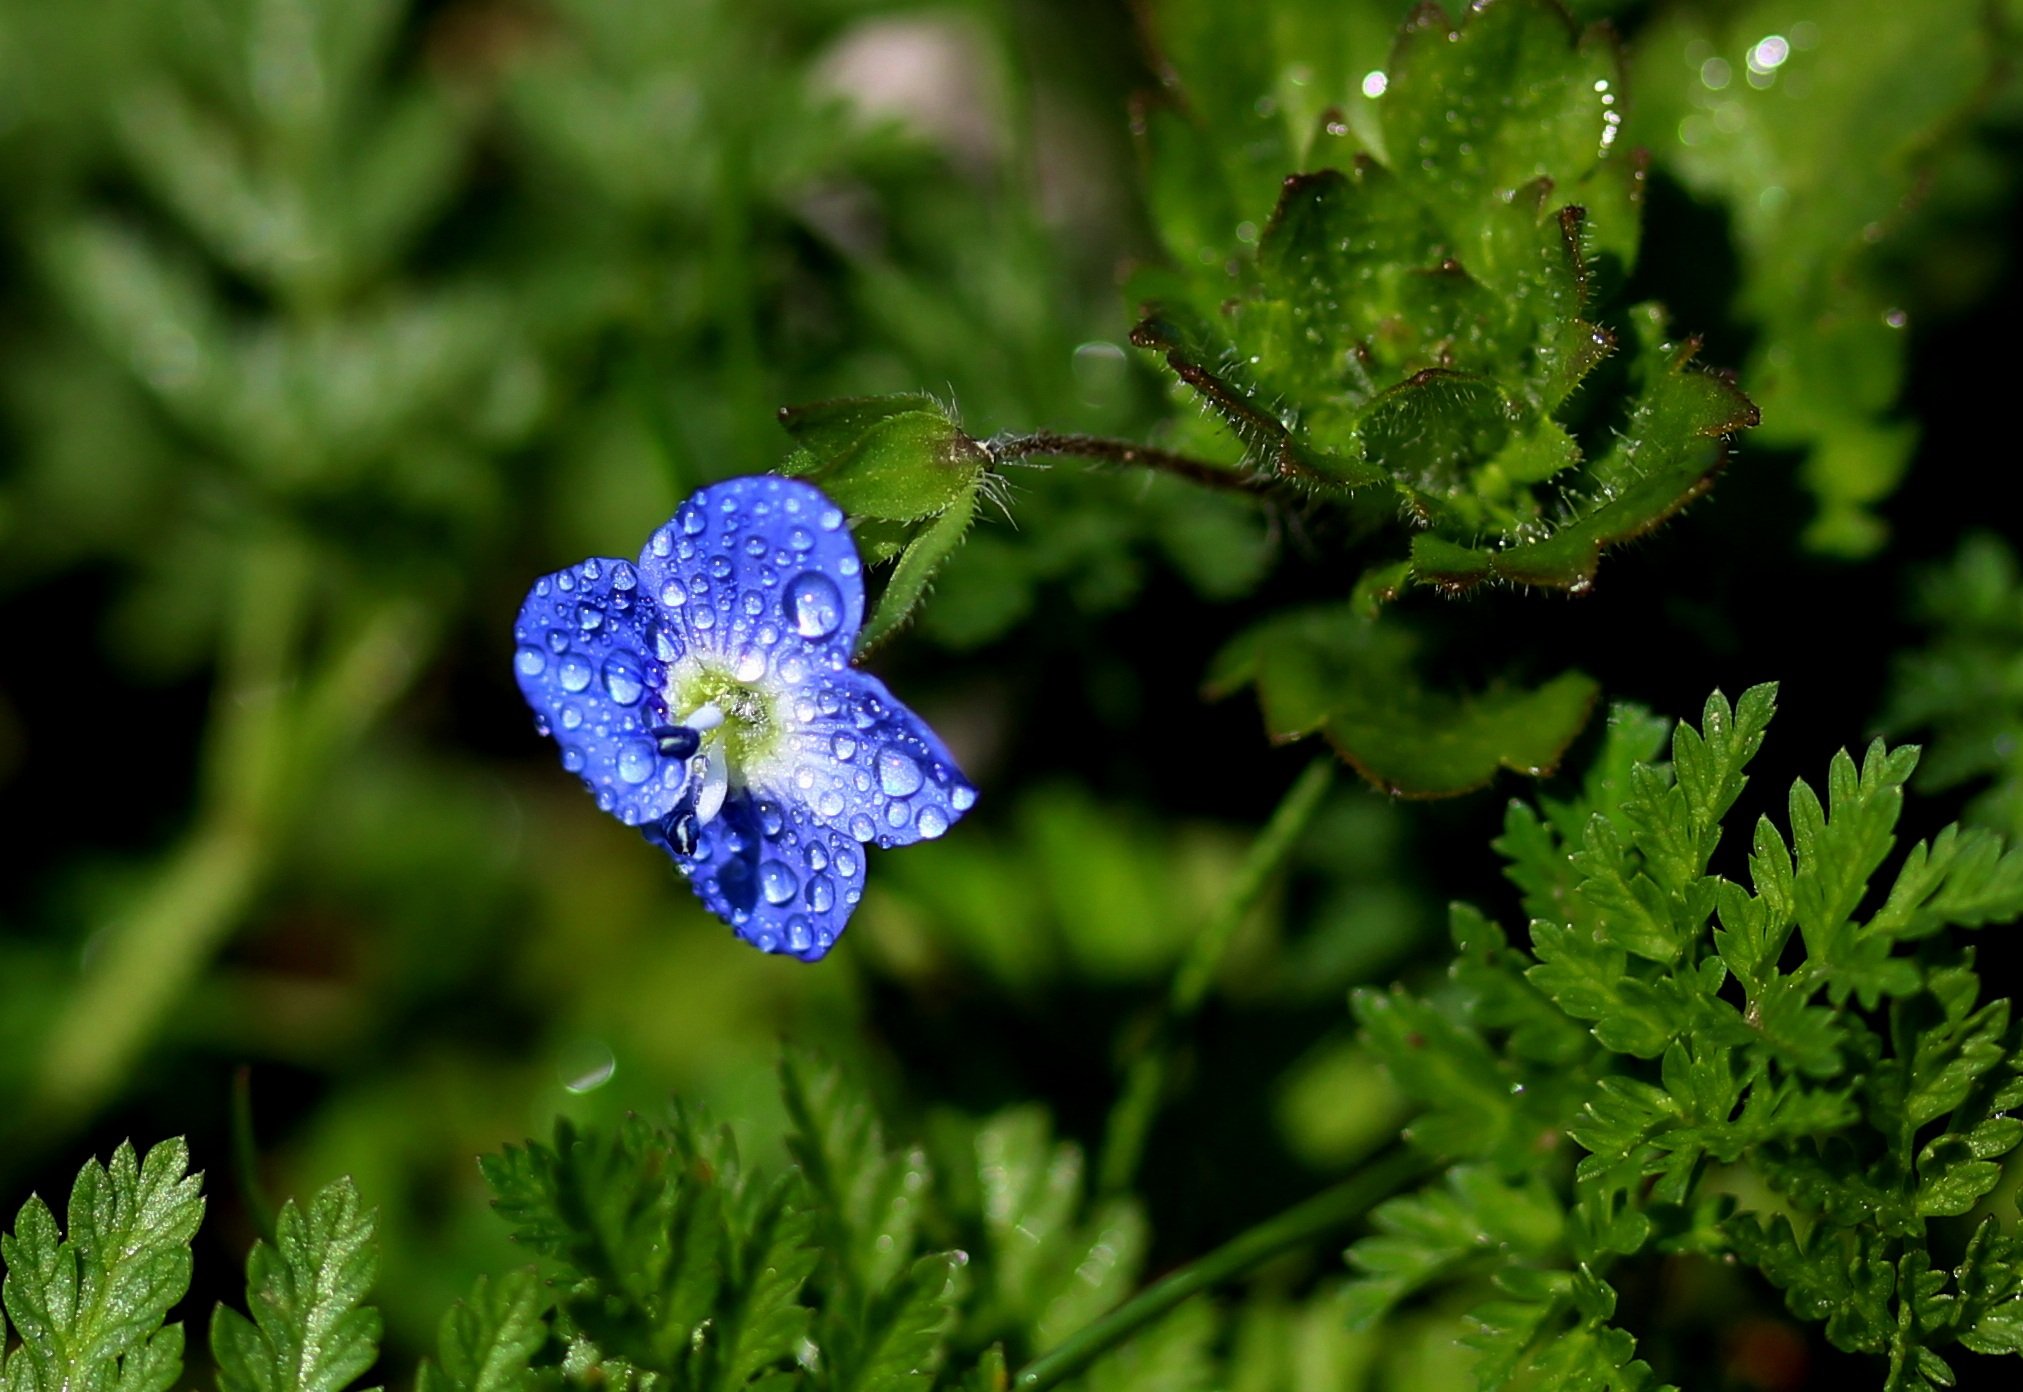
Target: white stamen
{"points": [[715, 775], [706, 717]]}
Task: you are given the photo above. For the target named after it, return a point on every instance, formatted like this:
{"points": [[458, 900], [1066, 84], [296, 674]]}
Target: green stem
{"points": [[1322, 1214], [1005, 448], [1145, 1077]]}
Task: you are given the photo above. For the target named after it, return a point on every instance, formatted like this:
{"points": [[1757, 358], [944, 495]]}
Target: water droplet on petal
{"points": [[623, 678], [572, 758], [750, 666], [636, 761], [830, 803], [622, 575], [897, 814], [704, 620], [821, 894], [962, 797], [571, 717], [673, 595], [860, 827], [800, 934], [558, 641], [818, 858], [777, 882], [532, 662], [692, 520], [815, 604], [898, 775], [844, 746], [931, 822], [575, 673]]}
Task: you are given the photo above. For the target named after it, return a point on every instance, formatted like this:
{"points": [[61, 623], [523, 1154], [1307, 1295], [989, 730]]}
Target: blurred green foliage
{"points": [[324, 327]]}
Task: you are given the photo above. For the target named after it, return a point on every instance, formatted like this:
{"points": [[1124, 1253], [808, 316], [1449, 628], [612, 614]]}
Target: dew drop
{"points": [[750, 666], [830, 803], [636, 761], [898, 775], [931, 822], [862, 828], [844, 746], [962, 797], [622, 575], [801, 539], [558, 641], [571, 717], [575, 673], [673, 595], [777, 882], [704, 620], [818, 858], [821, 894], [897, 814], [663, 544], [831, 519], [692, 520], [623, 679], [572, 758], [815, 603], [800, 934], [531, 661]]}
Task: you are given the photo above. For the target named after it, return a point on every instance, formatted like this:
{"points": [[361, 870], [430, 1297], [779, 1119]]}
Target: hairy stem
{"points": [[1145, 1077], [1322, 1214], [1198, 471]]}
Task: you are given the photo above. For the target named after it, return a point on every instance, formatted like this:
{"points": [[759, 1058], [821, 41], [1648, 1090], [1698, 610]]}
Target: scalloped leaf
{"points": [[1422, 316], [1347, 675]]}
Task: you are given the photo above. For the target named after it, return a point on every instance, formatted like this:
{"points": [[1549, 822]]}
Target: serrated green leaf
{"points": [[487, 1343], [89, 1304], [898, 1346], [870, 1197], [310, 1329]]}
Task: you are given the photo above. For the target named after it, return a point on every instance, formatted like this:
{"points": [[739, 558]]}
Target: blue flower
{"points": [[705, 695]]}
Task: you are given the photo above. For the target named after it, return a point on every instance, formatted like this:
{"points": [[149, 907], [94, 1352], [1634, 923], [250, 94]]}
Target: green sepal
{"points": [[893, 458]]}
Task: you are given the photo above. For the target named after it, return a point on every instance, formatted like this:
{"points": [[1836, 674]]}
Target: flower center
{"points": [[738, 722]]}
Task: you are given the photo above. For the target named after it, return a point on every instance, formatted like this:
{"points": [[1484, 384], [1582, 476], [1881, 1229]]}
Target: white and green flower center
{"points": [[739, 724]]}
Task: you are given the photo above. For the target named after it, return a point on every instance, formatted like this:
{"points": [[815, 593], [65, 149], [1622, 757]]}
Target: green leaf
{"points": [[1340, 672], [311, 1330], [1418, 316], [89, 1304], [1753, 107], [488, 1342], [671, 1257], [870, 1197], [1478, 1218], [1045, 1267]]}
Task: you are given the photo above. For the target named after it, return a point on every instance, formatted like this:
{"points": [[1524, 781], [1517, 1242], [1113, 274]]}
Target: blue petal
{"points": [[762, 571], [591, 663], [863, 764], [781, 880]]}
